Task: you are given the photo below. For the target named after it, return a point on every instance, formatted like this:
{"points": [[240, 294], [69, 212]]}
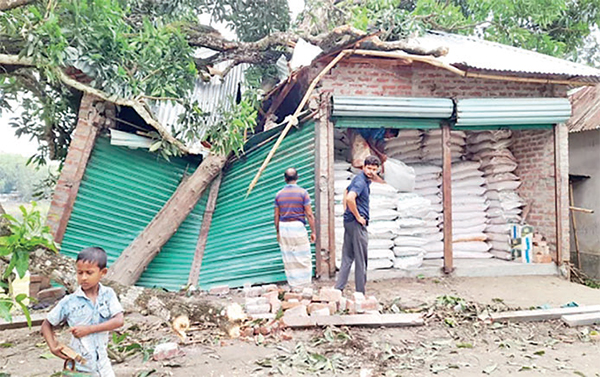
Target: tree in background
{"points": [[16, 176]]}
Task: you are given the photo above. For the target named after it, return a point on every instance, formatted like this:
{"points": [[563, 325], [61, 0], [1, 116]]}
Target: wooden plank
{"points": [[389, 320], [541, 314], [330, 186], [211, 203], [584, 210], [586, 319], [320, 149], [447, 197], [20, 321]]}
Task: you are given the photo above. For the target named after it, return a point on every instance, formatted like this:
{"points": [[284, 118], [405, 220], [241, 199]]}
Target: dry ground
{"points": [[454, 341]]}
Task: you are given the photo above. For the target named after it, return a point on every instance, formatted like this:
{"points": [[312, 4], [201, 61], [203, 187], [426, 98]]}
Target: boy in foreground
{"points": [[91, 312]]}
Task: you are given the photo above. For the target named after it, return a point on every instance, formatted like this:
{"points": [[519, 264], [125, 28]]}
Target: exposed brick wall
{"points": [[383, 78], [90, 120], [533, 148]]}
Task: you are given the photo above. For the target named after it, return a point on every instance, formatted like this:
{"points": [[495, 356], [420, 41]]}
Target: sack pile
{"points": [[469, 206], [432, 146], [427, 185], [491, 148], [405, 147]]}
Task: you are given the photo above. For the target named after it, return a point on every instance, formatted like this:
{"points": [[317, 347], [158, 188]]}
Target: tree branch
{"points": [[139, 106], [12, 4]]}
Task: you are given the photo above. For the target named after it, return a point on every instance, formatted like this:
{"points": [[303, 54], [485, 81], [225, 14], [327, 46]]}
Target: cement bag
{"points": [[493, 135], [339, 209], [411, 200], [498, 229], [380, 244], [423, 169], [381, 202], [436, 182], [432, 247], [432, 255], [383, 189], [410, 241], [463, 216], [498, 237], [476, 207], [406, 156], [340, 186], [408, 251], [427, 177], [501, 177], [466, 174], [436, 236], [475, 221], [468, 182], [408, 222], [427, 191], [479, 247], [505, 153], [408, 263], [434, 198], [338, 198], [341, 166], [464, 166], [497, 220], [383, 215], [399, 142], [438, 132], [500, 168], [418, 232], [469, 191], [379, 264], [471, 237], [399, 175], [501, 246], [380, 254], [414, 212], [437, 141], [410, 134], [382, 229], [504, 185], [436, 151], [359, 150]]}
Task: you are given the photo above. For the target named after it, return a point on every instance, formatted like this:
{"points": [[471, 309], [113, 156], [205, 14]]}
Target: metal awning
{"points": [[510, 112], [392, 107]]}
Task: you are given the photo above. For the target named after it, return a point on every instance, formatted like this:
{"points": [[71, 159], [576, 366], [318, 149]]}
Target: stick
{"points": [[291, 123]]}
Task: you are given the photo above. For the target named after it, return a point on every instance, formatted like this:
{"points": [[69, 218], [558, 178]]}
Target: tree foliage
{"points": [[17, 176], [553, 27]]}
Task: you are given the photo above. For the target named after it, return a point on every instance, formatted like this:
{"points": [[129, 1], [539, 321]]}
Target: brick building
{"points": [[244, 250]]}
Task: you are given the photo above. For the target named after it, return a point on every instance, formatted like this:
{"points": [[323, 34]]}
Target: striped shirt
{"points": [[291, 201]]}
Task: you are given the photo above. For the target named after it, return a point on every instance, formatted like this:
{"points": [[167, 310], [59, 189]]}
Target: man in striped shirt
{"points": [[292, 210]]}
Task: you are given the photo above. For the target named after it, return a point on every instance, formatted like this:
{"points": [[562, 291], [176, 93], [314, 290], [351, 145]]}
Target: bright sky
{"points": [[9, 143]]}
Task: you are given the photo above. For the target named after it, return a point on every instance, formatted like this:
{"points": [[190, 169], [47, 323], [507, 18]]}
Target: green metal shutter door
{"points": [[242, 244], [394, 107], [121, 192], [511, 112]]}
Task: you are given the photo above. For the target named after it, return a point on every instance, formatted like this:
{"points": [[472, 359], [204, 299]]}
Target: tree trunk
{"points": [[132, 262], [166, 305]]}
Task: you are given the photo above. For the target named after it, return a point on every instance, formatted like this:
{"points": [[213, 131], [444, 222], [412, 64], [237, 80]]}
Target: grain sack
{"points": [[399, 175], [408, 263]]}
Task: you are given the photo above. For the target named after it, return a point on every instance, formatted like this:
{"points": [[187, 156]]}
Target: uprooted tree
{"points": [[133, 52]]}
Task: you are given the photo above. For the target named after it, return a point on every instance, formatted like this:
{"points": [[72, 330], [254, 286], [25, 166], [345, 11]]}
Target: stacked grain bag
{"points": [[382, 226], [427, 185], [405, 147], [499, 165], [469, 205], [432, 146]]}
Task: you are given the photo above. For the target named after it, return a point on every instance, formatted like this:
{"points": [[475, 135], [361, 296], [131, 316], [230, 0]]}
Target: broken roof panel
{"points": [[586, 109], [480, 54]]}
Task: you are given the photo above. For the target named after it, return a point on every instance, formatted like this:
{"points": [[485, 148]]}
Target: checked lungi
{"points": [[295, 251]]}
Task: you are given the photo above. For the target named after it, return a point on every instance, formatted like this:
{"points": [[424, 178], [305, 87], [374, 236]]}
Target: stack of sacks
{"points": [[469, 205], [382, 225], [342, 176], [427, 185], [432, 146], [417, 227], [405, 147], [499, 165]]}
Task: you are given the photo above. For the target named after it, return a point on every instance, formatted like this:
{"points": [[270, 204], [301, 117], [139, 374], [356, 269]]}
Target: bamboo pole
{"points": [[575, 238], [293, 120]]}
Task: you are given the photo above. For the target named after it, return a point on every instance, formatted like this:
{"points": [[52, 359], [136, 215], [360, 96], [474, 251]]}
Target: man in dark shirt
{"points": [[356, 219], [292, 209]]}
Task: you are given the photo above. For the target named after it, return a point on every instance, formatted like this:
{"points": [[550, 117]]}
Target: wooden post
{"points": [[447, 197], [202, 238], [561, 186], [572, 213], [323, 191], [331, 189]]}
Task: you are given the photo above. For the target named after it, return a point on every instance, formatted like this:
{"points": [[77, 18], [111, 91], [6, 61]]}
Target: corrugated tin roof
{"points": [[210, 96], [477, 53], [586, 109]]}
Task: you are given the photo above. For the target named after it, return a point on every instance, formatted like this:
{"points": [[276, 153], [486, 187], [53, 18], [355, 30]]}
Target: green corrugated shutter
{"points": [[121, 191], [511, 112], [394, 107], [377, 122], [242, 245]]}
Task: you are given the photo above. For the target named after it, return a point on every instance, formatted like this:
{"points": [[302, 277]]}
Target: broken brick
{"points": [[299, 310], [220, 290], [165, 351], [256, 301], [253, 291], [288, 305], [270, 288], [307, 293], [330, 294], [370, 304], [258, 309], [321, 312], [292, 296], [317, 306]]}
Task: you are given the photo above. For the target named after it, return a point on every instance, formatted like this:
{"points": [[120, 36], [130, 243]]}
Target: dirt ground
{"points": [[454, 341]]}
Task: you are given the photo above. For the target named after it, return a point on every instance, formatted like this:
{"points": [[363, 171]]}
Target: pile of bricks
{"points": [[266, 301], [541, 250]]}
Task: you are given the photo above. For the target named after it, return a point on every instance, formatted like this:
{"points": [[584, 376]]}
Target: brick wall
{"points": [[90, 120], [533, 148]]}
